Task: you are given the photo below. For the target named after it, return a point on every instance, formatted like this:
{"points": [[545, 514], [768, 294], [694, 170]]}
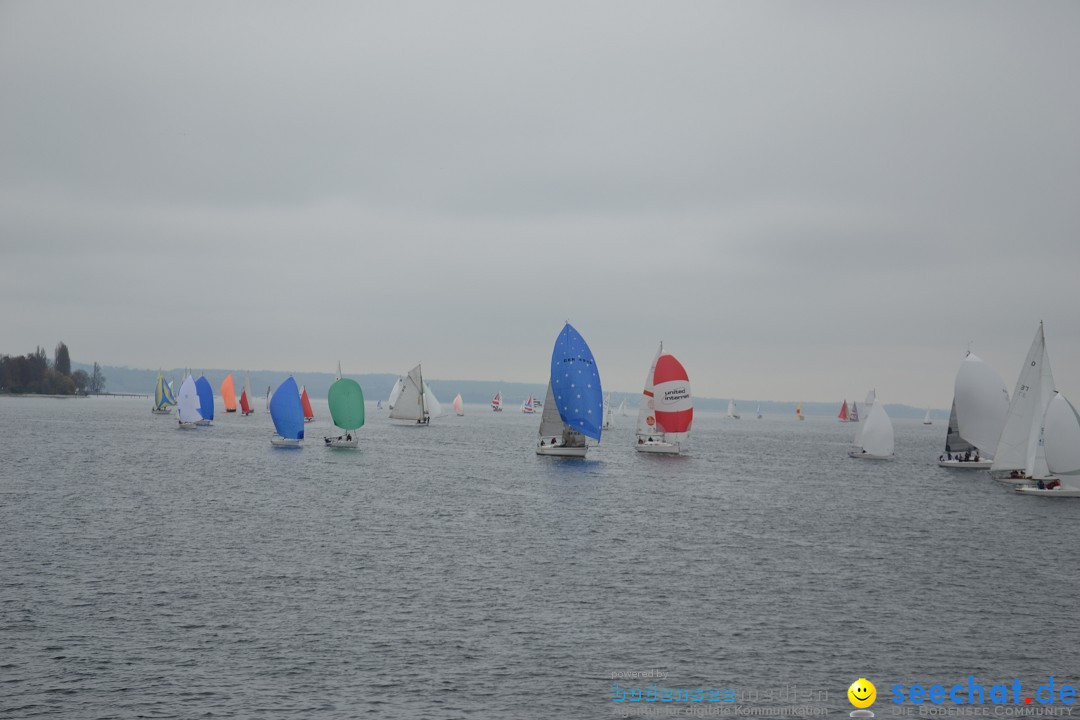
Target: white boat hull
{"points": [[663, 448], [1062, 491], [286, 442], [863, 455], [187, 426], [341, 442], [202, 423], [966, 465], [562, 450], [165, 411]]}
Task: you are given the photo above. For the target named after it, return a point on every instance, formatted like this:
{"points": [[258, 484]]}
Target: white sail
{"points": [[926, 420], [980, 405], [1061, 438], [1019, 446], [877, 435], [622, 408], [607, 412], [731, 411], [395, 392], [431, 403], [409, 402], [187, 403], [551, 423], [759, 411], [646, 420], [870, 397]]}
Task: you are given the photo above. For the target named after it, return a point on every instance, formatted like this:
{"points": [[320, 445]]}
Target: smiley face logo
{"points": [[862, 693]]}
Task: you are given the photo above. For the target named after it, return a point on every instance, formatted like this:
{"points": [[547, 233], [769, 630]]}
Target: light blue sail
{"points": [[206, 397], [287, 412], [575, 382]]}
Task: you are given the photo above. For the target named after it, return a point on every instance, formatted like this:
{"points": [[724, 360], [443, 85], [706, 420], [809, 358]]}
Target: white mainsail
{"points": [[870, 397], [646, 419], [551, 423], [980, 405], [1019, 446], [409, 402], [431, 403], [731, 412], [877, 432], [187, 403], [395, 392], [1061, 439]]}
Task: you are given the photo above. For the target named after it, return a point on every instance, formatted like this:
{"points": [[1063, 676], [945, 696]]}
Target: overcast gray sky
{"points": [[802, 199]]}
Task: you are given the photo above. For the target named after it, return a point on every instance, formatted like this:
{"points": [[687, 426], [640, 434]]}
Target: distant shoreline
{"points": [[69, 397]]}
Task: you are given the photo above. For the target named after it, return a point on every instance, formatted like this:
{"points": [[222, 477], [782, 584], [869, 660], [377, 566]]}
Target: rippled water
{"points": [[450, 572]]}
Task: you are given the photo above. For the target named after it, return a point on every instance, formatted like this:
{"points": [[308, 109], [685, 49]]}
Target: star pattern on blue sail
{"points": [[575, 381]]}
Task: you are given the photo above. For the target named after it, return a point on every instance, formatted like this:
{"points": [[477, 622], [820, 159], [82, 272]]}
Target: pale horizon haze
{"points": [[802, 200]]}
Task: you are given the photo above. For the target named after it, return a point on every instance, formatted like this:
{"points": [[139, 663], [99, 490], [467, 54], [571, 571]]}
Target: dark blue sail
{"points": [[206, 397], [287, 412], [575, 382]]}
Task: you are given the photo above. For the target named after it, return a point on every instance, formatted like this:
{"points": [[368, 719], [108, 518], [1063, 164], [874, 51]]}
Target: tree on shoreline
{"points": [[33, 374]]}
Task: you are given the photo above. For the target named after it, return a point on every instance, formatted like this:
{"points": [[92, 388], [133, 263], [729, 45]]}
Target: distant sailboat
{"points": [[574, 404], [876, 441], [459, 405], [228, 394], [414, 400], [187, 404], [268, 396], [288, 415], [667, 408], [798, 412], [926, 420], [731, 411], [1061, 445], [609, 421], [246, 400], [206, 400], [305, 403], [346, 401], [853, 414], [528, 407], [163, 397], [378, 405], [759, 411], [622, 409], [843, 416], [1019, 455], [496, 402]]}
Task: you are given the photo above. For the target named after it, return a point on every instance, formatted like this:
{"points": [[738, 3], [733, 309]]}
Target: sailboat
{"points": [[187, 404], [163, 397], [228, 394], [459, 405], [378, 405], [245, 397], [346, 401], [622, 408], [874, 439], [1019, 456], [798, 412], [305, 403], [528, 407], [980, 405], [853, 414], [206, 400], [414, 400], [843, 416], [1061, 444], [759, 411], [496, 402], [609, 421], [574, 404], [926, 420], [288, 415], [268, 396], [667, 408], [732, 413]]}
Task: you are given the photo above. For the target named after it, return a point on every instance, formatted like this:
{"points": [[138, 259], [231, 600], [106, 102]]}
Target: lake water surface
{"points": [[449, 572]]}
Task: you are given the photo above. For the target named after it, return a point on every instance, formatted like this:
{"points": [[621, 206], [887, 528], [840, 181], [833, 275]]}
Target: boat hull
{"points": [[1061, 492], [562, 450], [966, 465], [166, 411], [661, 448], [187, 426], [862, 455], [202, 423], [281, 442], [341, 442]]}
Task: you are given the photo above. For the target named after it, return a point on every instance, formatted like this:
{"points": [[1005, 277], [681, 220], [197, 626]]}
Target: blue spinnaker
{"points": [[287, 412], [206, 397], [575, 382]]}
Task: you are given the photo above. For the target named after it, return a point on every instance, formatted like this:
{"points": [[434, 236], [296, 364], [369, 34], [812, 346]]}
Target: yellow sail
{"points": [[228, 395]]}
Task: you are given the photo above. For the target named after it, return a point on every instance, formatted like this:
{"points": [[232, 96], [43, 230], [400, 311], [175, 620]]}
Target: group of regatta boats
{"points": [[1031, 440]]}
